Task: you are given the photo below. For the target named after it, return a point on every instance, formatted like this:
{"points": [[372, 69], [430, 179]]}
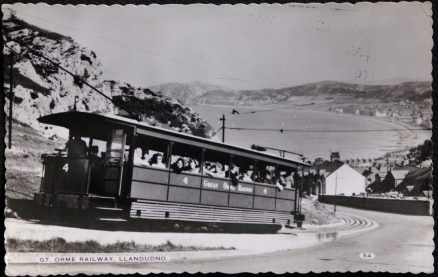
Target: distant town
{"points": [[405, 111], [402, 174]]}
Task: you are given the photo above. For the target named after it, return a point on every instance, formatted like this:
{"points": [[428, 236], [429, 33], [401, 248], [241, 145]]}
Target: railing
{"points": [[161, 184]]}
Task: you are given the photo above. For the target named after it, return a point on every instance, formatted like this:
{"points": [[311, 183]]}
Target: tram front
{"points": [[80, 173]]}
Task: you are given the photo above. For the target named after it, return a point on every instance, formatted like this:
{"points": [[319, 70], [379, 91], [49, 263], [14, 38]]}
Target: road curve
{"points": [[400, 243]]}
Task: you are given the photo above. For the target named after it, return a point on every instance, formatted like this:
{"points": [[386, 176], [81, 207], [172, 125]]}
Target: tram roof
{"points": [[95, 124]]}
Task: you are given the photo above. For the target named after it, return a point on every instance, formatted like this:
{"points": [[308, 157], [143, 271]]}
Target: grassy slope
{"points": [[23, 161], [316, 212], [59, 245]]}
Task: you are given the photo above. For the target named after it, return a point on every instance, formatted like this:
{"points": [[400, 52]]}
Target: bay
{"points": [[379, 138]]}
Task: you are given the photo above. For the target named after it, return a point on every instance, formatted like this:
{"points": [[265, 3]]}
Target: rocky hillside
{"points": [[23, 162], [42, 88]]}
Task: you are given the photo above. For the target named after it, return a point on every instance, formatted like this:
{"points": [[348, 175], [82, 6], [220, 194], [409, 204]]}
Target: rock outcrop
{"points": [[42, 88]]}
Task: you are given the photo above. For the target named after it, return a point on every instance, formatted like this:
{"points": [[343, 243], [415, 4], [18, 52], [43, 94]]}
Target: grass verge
{"points": [[60, 245]]}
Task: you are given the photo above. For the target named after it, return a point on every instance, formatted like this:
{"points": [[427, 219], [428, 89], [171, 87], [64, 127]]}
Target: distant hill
{"points": [[336, 91], [187, 93]]}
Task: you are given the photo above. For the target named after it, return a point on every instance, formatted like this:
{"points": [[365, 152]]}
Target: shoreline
{"points": [[418, 136]]}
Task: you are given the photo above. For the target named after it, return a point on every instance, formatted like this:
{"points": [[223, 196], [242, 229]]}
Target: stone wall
{"points": [[413, 207]]}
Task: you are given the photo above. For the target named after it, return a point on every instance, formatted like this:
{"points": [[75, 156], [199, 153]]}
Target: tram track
{"points": [[348, 222]]}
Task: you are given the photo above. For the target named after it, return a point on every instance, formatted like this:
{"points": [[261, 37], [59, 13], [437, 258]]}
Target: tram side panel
{"points": [[158, 193]]}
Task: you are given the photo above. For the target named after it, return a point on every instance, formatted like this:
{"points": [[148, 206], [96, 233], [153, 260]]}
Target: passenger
{"points": [[213, 170], [96, 178], [233, 173], [282, 178], [178, 166], [288, 180], [196, 167], [261, 177], [76, 147], [272, 173], [220, 171], [248, 175], [206, 169], [157, 161], [210, 169], [95, 150], [187, 166], [279, 184], [268, 178], [95, 154], [139, 156], [225, 170], [192, 166]]}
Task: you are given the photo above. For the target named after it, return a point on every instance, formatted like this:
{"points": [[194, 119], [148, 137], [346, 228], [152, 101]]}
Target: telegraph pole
{"points": [[336, 188], [11, 96], [223, 127]]}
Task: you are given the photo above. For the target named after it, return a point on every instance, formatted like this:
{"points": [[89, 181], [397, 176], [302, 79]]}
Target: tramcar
{"points": [[161, 174]]}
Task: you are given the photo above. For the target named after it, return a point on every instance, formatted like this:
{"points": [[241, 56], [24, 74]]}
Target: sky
{"points": [[249, 46]]}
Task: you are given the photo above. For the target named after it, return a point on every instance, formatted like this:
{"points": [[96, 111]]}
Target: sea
{"points": [[311, 132]]}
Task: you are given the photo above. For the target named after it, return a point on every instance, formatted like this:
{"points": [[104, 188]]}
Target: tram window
{"points": [[98, 148], [115, 146], [151, 152], [215, 163], [245, 168], [186, 158], [286, 176], [266, 173]]}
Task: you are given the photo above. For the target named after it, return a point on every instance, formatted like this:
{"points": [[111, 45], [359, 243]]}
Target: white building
{"points": [[341, 179]]}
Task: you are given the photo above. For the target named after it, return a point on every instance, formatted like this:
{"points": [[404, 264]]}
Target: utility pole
{"points": [[223, 127], [336, 189], [11, 96], [74, 106], [302, 180]]}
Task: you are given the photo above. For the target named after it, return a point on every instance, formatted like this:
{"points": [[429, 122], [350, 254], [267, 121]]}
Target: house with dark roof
{"points": [[310, 181], [418, 182], [371, 175], [392, 179], [341, 179], [335, 156]]}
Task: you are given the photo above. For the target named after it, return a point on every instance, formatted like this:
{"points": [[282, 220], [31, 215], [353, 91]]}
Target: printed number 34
{"points": [[367, 256], [65, 167]]}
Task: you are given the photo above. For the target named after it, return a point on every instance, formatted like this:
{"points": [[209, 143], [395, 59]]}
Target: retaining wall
{"points": [[412, 207]]}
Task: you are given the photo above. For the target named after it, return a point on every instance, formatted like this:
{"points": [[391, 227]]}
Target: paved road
{"points": [[401, 244]]}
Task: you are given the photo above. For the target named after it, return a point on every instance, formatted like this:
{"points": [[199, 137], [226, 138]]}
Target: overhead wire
{"points": [[145, 51], [76, 77], [268, 110], [327, 131]]}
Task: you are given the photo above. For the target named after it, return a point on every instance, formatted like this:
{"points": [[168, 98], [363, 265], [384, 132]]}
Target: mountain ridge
{"points": [[186, 93], [410, 90]]}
